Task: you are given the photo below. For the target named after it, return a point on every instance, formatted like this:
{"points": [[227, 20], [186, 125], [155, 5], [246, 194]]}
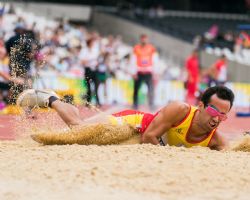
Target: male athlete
{"points": [[180, 123]]}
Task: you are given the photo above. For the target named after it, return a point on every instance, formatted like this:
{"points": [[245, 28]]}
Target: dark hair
{"points": [[221, 91]]}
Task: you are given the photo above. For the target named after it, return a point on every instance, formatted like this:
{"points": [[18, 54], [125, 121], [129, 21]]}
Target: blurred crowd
{"points": [[216, 34], [32, 45], [234, 44]]}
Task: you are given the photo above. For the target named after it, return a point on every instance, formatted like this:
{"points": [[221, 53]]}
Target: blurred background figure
{"points": [[89, 59], [4, 78], [116, 71], [21, 49], [218, 72], [192, 68], [102, 73], [144, 55]]}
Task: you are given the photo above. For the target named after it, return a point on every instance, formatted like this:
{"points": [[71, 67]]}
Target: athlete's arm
{"points": [[218, 142], [167, 117]]}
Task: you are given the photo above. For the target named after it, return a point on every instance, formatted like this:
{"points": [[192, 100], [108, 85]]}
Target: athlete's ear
{"points": [[200, 105]]}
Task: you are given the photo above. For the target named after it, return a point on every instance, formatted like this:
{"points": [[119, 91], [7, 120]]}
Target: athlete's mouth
{"points": [[212, 124]]}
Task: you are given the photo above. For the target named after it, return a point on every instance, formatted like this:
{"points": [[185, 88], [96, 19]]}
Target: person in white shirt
{"points": [[89, 60]]}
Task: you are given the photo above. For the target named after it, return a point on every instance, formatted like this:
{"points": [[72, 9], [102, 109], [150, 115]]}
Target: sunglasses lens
{"points": [[211, 111], [214, 113]]}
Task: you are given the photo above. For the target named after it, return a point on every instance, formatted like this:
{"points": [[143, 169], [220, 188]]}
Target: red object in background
{"points": [[219, 64], [192, 66]]}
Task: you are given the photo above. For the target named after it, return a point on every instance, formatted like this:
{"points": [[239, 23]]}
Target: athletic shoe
{"points": [[35, 98]]}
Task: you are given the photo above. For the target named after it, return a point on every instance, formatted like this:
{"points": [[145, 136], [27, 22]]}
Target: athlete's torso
{"points": [[178, 135]]}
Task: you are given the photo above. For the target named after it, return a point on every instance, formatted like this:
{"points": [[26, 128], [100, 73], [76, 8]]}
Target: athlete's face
{"points": [[212, 114]]}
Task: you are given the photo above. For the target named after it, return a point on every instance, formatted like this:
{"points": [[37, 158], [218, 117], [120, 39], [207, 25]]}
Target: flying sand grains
{"points": [[99, 134], [242, 144]]}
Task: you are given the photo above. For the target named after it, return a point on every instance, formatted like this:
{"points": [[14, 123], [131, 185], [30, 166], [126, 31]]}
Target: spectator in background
{"points": [[20, 49], [1, 14], [89, 59], [5, 78], [143, 61], [102, 72], [218, 72], [242, 42], [245, 39], [4, 74], [212, 33], [192, 68], [62, 66]]}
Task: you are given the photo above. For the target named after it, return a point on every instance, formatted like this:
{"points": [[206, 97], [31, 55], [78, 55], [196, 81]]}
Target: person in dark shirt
{"points": [[20, 48]]}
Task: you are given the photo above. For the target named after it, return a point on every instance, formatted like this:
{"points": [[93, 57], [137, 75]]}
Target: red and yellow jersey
{"points": [[177, 135], [136, 119]]}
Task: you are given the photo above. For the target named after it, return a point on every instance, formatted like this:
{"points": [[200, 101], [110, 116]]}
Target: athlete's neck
{"points": [[196, 128]]}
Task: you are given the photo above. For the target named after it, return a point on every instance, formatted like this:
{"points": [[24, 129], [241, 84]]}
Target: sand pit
{"points": [[30, 170], [241, 144], [33, 171]]}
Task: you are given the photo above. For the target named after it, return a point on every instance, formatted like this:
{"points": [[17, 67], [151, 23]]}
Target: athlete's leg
{"points": [[68, 113], [44, 98]]}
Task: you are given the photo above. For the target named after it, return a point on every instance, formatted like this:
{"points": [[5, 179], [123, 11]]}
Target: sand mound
{"points": [[242, 144], [100, 134]]}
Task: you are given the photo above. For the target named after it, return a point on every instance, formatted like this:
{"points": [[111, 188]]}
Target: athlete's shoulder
{"points": [[177, 110], [179, 106]]}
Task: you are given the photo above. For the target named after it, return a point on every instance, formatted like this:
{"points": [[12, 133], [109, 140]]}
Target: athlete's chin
{"points": [[209, 129]]}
